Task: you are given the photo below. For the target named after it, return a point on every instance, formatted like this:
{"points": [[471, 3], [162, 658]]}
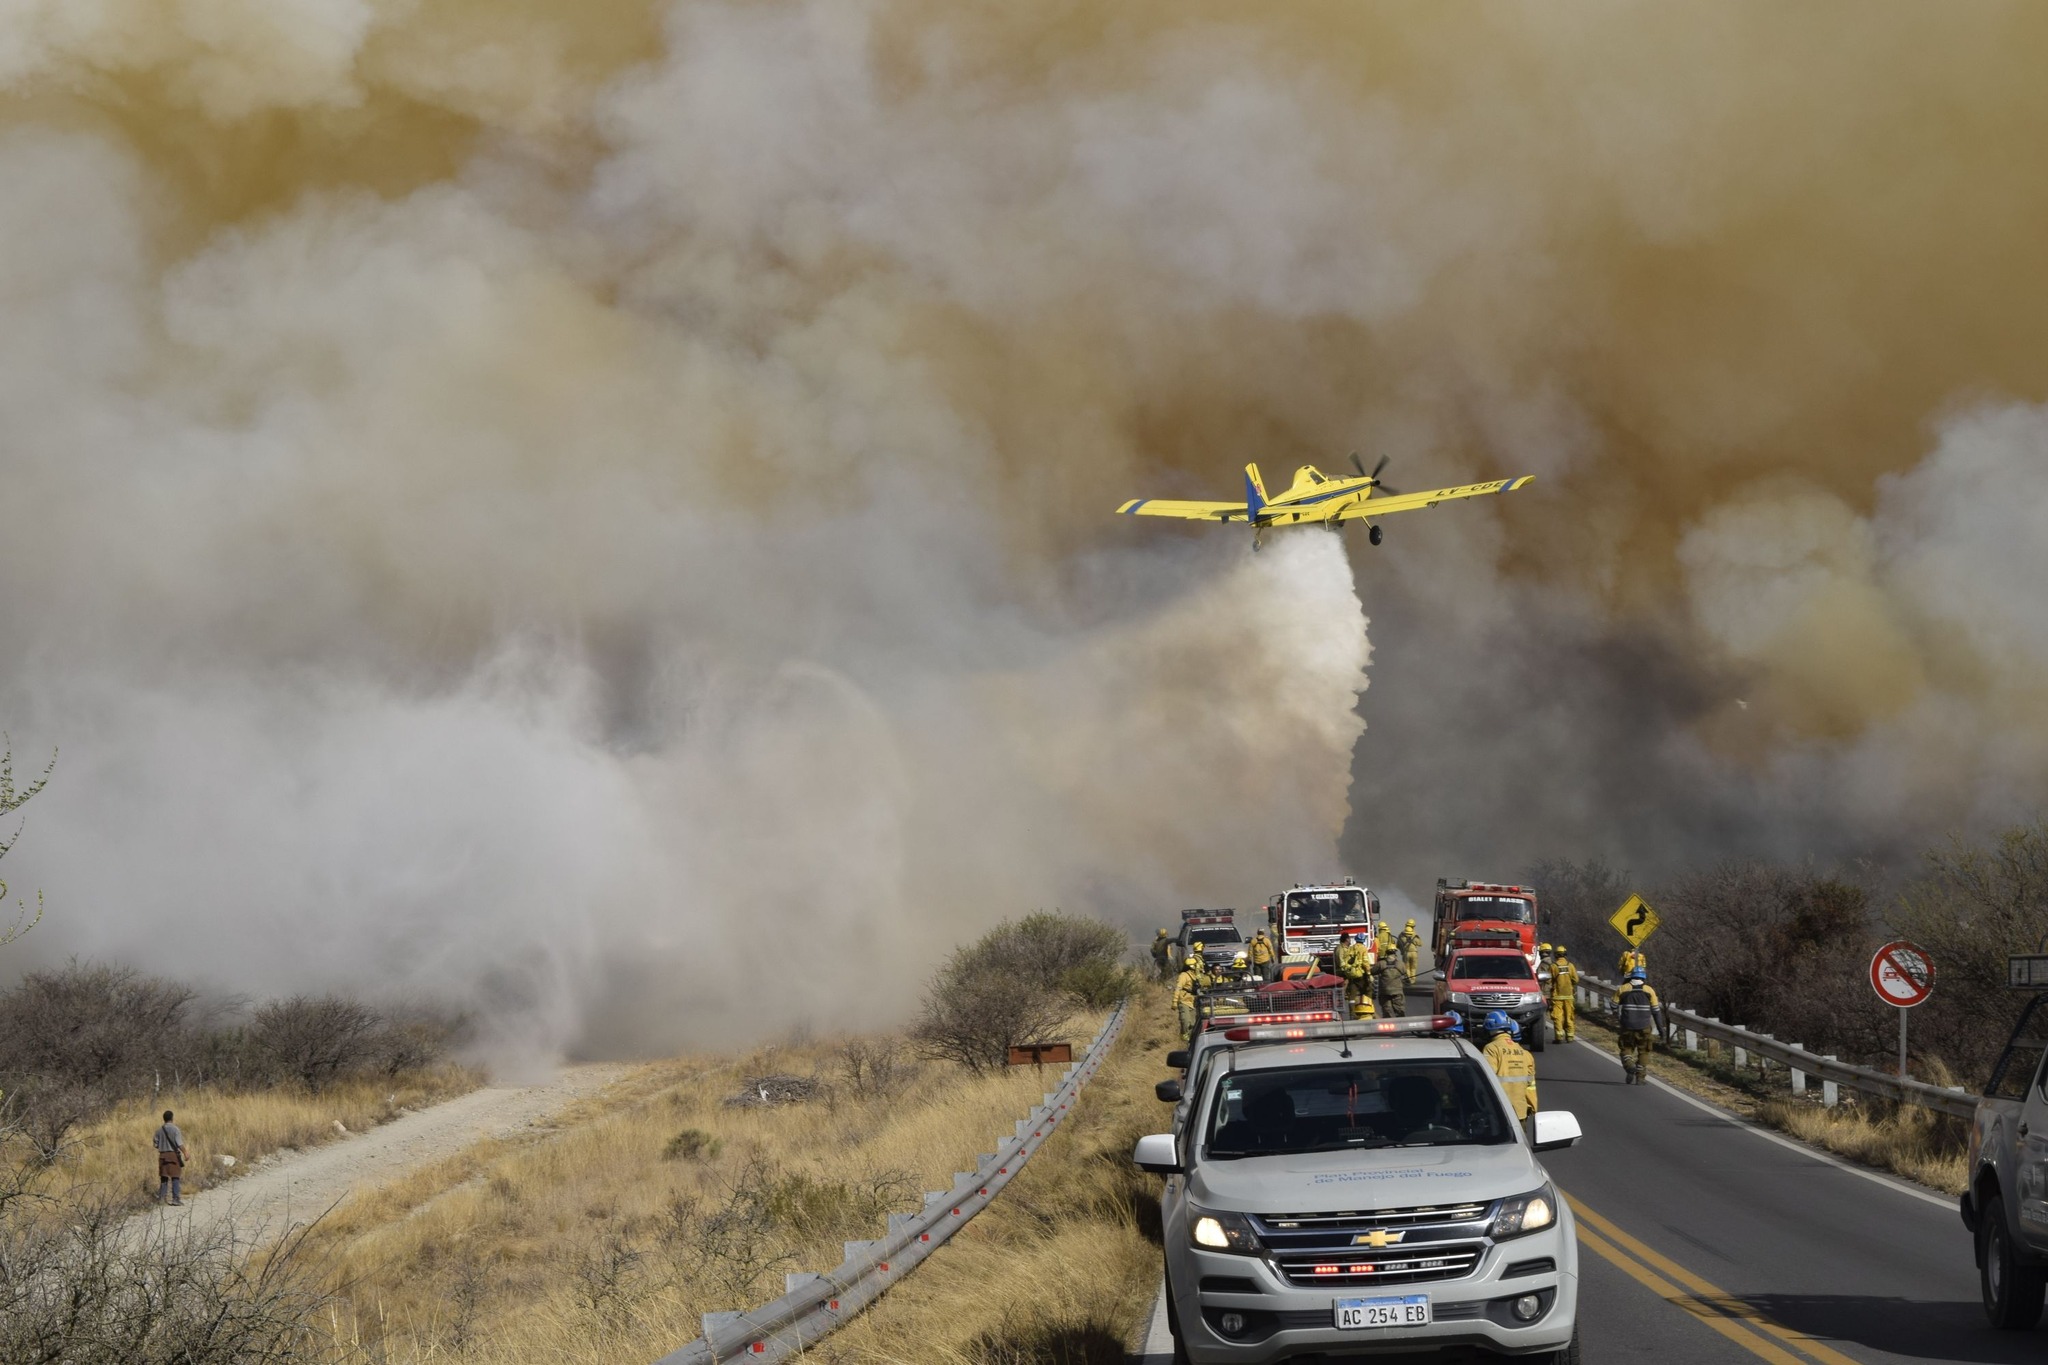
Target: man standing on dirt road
{"points": [[170, 1161]]}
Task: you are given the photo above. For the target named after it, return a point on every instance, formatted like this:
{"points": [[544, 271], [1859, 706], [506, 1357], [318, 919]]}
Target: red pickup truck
{"points": [[1487, 972]]}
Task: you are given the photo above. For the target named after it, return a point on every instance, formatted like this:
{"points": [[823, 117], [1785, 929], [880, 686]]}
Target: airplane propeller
{"points": [[1359, 465]]}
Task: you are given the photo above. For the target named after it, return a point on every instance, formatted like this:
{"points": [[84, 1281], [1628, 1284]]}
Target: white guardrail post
{"points": [[813, 1305], [1833, 1073]]}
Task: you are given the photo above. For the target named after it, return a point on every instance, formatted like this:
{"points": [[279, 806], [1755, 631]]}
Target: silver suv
{"points": [[1359, 1188]]}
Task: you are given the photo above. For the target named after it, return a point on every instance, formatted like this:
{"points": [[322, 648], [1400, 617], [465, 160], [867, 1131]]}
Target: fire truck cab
{"points": [[1308, 921], [1484, 906]]}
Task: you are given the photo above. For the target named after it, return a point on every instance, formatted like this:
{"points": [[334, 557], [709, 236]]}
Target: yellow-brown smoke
{"points": [[603, 501]]}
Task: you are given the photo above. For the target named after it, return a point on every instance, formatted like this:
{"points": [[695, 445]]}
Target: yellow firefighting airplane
{"points": [[1315, 498]]}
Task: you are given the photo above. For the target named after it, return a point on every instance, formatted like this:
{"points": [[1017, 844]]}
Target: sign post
{"points": [[2027, 971], [1902, 974]]}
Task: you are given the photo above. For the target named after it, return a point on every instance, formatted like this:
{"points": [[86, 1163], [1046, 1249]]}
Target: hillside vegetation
{"points": [[1786, 948]]}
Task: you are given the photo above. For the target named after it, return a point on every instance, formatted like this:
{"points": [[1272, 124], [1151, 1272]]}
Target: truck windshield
{"points": [[1512, 909], [1472, 966], [1442, 1102], [1306, 909], [1209, 935]]}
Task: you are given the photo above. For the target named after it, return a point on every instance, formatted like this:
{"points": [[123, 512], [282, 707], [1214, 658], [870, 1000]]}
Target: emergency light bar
{"points": [[1309, 1017], [1356, 1028]]}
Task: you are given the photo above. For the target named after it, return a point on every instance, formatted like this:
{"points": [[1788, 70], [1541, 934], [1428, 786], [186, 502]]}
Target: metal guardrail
{"points": [[1831, 1071], [813, 1306]]}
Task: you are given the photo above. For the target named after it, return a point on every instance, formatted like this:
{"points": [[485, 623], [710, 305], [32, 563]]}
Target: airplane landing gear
{"points": [[1375, 535]]}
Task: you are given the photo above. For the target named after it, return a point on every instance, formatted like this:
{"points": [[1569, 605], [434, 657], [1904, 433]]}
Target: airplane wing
{"points": [[1187, 511], [1408, 502]]}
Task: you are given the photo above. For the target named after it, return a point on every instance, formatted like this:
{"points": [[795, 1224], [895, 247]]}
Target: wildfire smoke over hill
{"points": [[575, 504]]}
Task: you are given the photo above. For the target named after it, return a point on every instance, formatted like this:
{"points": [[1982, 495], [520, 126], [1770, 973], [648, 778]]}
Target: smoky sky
{"points": [[586, 510]]}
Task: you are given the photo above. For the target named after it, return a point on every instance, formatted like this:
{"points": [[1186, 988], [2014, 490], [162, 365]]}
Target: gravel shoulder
{"points": [[299, 1186]]}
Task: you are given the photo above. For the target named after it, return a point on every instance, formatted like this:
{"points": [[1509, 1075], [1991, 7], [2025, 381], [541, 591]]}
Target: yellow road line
{"points": [[1697, 1290], [1664, 1289]]}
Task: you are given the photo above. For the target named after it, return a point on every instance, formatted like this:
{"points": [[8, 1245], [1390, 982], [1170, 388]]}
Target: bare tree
{"points": [[316, 1038], [12, 798], [974, 1018], [1018, 984], [92, 1025]]}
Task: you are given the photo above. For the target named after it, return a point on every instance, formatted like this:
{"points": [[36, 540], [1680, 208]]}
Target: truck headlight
{"points": [[1458, 997], [1525, 1213], [1222, 1232], [1532, 997]]}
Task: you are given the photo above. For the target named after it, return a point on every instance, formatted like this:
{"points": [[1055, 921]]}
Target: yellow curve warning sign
{"points": [[1635, 921]]}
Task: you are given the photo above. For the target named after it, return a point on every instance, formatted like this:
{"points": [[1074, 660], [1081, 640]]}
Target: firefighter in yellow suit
{"points": [[1262, 955], [1632, 960], [1564, 997], [1511, 1062], [1638, 1013], [1353, 961], [1194, 976]]}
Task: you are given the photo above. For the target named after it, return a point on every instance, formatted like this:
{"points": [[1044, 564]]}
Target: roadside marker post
{"points": [[1902, 974]]}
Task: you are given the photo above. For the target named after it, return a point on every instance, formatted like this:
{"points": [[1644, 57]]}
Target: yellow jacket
{"points": [[1632, 959], [1354, 961], [1190, 980], [1517, 1071], [1261, 950], [1564, 980]]}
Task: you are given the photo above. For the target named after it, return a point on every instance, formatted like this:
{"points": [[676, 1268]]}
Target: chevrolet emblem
{"points": [[1378, 1237]]}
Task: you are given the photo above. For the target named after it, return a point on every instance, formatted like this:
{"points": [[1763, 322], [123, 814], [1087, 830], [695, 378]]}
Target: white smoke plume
{"points": [[593, 508], [608, 606]]}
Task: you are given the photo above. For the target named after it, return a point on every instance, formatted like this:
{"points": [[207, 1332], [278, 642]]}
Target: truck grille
{"points": [[1494, 1000], [1436, 1242]]}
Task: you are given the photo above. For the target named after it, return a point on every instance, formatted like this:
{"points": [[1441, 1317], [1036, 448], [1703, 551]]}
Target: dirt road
{"points": [[299, 1186]]}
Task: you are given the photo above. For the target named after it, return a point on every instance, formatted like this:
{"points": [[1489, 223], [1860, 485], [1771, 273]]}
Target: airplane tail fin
{"points": [[1254, 492]]}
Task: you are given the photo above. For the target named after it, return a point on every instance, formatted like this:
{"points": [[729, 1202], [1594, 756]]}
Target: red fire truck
{"points": [[1488, 906]]}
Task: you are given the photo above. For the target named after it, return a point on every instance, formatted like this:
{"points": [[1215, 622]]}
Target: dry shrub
{"points": [[692, 1144], [875, 1068], [1018, 985]]}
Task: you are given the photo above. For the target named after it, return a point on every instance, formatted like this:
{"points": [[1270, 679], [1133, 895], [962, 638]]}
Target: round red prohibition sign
{"points": [[1902, 974]]}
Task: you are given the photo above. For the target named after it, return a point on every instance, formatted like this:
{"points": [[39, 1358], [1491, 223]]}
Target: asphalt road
{"points": [[1704, 1240], [1707, 1242]]}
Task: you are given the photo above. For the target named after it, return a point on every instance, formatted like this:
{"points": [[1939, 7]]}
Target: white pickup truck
{"points": [[1360, 1187], [2006, 1203]]}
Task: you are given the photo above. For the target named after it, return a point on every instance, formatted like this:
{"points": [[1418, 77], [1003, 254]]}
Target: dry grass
{"points": [[113, 1155], [1920, 1145], [608, 1238], [1063, 1267], [1914, 1143]]}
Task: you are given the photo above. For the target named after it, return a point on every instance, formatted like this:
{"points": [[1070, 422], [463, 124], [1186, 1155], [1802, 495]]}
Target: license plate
{"points": [[1404, 1310]]}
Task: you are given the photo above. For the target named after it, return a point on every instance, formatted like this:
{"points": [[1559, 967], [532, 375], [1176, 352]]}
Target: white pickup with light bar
{"points": [[1354, 1028]]}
